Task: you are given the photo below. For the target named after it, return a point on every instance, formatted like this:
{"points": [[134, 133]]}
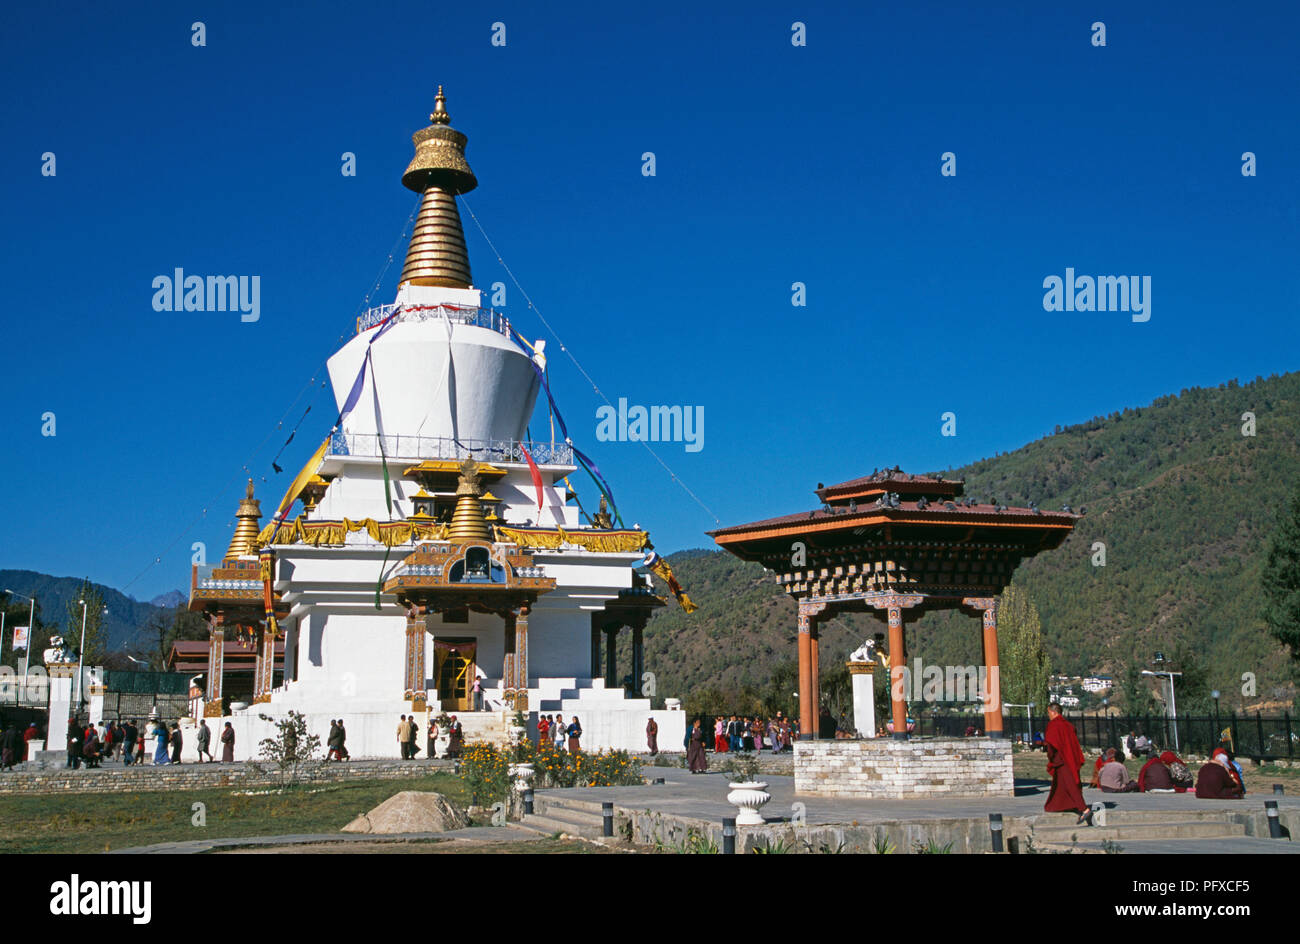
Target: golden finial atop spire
{"points": [[244, 541], [439, 170], [440, 116]]}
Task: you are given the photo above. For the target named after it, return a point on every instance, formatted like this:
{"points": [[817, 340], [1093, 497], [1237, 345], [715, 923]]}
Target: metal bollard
{"points": [[729, 836], [1274, 824], [995, 830], [1278, 789], [1013, 846], [607, 819], [528, 802]]}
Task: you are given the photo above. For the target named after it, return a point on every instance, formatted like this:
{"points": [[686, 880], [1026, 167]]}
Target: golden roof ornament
{"points": [[244, 541], [439, 170], [467, 521]]}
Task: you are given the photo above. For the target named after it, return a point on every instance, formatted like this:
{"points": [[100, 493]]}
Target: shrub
{"points": [[554, 768], [485, 771]]}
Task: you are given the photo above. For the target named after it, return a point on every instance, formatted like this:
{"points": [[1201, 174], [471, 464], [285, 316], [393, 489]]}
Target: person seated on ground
{"points": [[91, 751], [1214, 781], [1234, 768], [1154, 777], [1140, 746], [1095, 782], [1178, 772], [1114, 775]]}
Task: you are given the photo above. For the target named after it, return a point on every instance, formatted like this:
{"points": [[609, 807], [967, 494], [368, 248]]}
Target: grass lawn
{"points": [[102, 821]]}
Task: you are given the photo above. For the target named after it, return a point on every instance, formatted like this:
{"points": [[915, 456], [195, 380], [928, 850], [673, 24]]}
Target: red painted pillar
{"points": [[807, 712], [897, 664], [993, 695]]}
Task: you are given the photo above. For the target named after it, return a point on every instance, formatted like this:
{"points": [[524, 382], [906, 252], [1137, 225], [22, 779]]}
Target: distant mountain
{"points": [[170, 600], [1184, 503], [124, 623]]}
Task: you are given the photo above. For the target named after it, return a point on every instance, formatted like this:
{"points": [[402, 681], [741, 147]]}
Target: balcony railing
{"points": [[445, 447], [456, 314]]}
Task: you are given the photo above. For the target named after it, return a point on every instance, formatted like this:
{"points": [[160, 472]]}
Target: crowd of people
{"points": [[125, 742], [558, 734], [1220, 778]]}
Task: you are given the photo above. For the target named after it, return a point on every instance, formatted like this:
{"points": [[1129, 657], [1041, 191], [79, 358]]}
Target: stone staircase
{"points": [[1059, 830], [558, 814], [489, 726]]}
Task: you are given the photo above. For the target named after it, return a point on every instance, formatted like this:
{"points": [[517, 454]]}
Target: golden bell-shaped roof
{"points": [[439, 170], [467, 521], [244, 541]]}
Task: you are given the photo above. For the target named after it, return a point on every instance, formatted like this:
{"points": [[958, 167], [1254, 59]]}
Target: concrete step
{"points": [[1168, 829], [560, 822], [551, 801]]}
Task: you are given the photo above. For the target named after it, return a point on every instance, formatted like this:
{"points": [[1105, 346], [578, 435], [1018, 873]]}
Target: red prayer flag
{"points": [[536, 474]]}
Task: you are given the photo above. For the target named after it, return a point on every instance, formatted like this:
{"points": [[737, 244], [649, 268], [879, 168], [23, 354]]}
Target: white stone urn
{"points": [[748, 798], [523, 774]]}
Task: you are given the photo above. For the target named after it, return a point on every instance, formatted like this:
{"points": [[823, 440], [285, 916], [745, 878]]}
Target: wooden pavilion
{"points": [[891, 543]]}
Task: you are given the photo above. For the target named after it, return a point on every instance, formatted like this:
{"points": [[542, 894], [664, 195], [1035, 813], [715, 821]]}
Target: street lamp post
{"points": [[1218, 731], [81, 655], [1161, 672]]}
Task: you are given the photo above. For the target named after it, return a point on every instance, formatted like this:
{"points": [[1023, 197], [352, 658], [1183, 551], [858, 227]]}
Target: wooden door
{"points": [[454, 670]]}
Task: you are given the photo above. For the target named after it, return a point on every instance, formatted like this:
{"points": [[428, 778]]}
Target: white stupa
{"points": [[472, 579]]}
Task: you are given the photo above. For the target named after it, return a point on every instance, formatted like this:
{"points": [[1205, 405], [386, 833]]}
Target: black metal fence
{"points": [[1251, 735]]}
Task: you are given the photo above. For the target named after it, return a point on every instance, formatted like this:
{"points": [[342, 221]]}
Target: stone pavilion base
{"points": [[884, 768]]}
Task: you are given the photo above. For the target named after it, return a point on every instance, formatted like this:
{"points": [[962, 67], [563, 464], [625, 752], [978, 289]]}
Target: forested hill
{"points": [[1184, 503]]}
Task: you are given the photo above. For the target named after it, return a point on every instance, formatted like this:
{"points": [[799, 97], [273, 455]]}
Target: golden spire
{"points": [[467, 522], [244, 540], [437, 254]]}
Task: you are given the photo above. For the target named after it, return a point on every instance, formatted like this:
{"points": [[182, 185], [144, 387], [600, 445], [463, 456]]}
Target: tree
{"points": [[95, 646], [167, 628], [1135, 689], [1026, 670], [291, 747], [1280, 581]]}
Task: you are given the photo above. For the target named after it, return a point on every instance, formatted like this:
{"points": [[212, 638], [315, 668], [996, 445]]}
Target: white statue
{"points": [[865, 653], [59, 652]]}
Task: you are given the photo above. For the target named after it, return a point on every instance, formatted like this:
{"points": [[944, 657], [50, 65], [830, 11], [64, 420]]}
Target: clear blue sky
{"points": [[775, 164]]}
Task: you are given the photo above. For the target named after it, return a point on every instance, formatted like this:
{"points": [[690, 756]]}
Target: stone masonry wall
{"points": [[916, 769], [147, 778]]}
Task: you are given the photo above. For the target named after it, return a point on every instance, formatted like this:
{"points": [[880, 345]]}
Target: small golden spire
{"points": [[244, 541], [467, 522]]}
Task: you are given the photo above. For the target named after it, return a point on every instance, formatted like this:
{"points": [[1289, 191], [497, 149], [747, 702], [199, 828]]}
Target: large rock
{"points": [[410, 812]]}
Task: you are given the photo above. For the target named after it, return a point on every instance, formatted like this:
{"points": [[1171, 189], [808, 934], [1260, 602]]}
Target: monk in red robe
{"points": [[1064, 758]]}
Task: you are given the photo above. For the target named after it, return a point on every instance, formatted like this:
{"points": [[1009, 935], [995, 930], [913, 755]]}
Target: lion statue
{"points": [[59, 652]]}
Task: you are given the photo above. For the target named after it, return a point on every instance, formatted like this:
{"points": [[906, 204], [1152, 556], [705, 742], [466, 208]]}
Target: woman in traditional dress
{"points": [[544, 731], [575, 732], [433, 739], [720, 737], [695, 759], [160, 750], [757, 728], [228, 744]]}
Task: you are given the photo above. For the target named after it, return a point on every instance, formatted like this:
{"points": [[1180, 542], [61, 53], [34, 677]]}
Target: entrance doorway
{"points": [[454, 670]]}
